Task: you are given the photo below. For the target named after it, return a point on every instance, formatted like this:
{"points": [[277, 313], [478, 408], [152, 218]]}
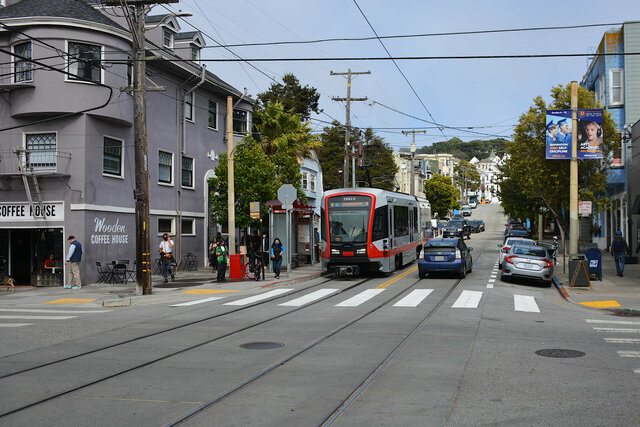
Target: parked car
{"points": [[517, 232], [445, 254], [457, 228], [480, 225], [473, 204], [510, 241], [527, 261], [466, 210]]}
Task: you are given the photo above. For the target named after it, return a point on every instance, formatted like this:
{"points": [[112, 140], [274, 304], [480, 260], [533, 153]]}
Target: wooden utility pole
{"points": [[412, 187], [347, 153], [573, 173], [231, 197]]}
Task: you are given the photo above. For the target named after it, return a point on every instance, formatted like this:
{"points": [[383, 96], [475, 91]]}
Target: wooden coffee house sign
{"points": [[49, 211]]}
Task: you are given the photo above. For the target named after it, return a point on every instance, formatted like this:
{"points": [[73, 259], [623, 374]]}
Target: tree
{"points": [[530, 176], [294, 98], [379, 167], [467, 176], [442, 195], [466, 150]]}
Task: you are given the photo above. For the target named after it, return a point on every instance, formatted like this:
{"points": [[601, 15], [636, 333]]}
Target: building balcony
{"points": [[38, 163]]}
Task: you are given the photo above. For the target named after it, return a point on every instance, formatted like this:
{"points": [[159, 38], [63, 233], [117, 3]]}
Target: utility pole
{"points": [[347, 154], [573, 173], [413, 154], [231, 203]]}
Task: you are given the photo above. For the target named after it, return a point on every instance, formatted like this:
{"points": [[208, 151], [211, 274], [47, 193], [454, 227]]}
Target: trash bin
{"points": [[595, 261], [236, 266]]}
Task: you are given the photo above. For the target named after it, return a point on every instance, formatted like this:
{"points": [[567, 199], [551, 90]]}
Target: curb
{"points": [[616, 311]]}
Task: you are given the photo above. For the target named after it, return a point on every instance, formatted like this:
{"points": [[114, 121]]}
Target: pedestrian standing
{"points": [[222, 254], [213, 259], [73, 260], [166, 254], [277, 250], [317, 243], [619, 249]]}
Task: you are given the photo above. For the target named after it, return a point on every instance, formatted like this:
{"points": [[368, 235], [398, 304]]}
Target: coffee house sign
{"points": [[47, 211]]}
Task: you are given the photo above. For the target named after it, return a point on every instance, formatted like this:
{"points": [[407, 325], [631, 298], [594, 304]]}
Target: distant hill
{"points": [[466, 150]]}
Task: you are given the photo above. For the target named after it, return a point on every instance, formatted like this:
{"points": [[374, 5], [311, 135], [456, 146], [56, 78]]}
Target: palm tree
{"points": [[281, 132]]}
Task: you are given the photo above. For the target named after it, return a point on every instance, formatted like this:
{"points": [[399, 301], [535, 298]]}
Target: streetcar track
{"points": [[184, 350]]}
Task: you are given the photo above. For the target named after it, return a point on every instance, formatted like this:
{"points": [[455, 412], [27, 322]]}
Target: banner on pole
{"points": [[558, 134], [590, 135]]}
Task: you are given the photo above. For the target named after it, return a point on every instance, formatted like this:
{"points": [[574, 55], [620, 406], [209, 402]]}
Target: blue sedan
{"points": [[445, 254]]}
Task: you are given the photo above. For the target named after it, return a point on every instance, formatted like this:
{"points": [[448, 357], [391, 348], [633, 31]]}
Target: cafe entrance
{"points": [[32, 256]]}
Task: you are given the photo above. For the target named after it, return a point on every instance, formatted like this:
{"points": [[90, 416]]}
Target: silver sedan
{"points": [[527, 261]]}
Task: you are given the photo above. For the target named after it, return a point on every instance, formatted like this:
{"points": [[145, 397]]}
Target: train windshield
{"points": [[349, 218]]}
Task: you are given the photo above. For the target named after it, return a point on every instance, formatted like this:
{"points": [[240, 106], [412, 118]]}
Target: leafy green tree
{"points": [[294, 97], [467, 176], [466, 150], [530, 176], [331, 155], [442, 195]]}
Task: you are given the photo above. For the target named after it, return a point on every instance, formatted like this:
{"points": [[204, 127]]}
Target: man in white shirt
{"points": [[166, 251]]}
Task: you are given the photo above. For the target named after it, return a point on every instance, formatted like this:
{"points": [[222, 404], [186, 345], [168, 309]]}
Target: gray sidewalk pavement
{"points": [[120, 295], [613, 289]]}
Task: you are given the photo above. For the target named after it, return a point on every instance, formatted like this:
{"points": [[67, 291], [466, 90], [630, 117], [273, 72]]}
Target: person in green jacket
{"points": [[222, 253]]}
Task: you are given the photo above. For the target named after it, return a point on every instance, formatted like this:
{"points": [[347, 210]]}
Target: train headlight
{"points": [[335, 252], [362, 251]]}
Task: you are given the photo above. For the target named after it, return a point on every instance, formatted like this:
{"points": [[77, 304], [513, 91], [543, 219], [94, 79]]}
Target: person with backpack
{"points": [[277, 250], [619, 250]]}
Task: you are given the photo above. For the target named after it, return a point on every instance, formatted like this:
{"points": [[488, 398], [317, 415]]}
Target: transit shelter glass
{"points": [[349, 218]]}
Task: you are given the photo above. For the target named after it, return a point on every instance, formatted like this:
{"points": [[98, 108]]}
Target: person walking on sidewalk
{"points": [[73, 259], [222, 253], [619, 249], [166, 254], [277, 250]]}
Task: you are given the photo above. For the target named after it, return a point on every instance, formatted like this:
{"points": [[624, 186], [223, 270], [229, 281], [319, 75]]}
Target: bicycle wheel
{"points": [[249, 271]]}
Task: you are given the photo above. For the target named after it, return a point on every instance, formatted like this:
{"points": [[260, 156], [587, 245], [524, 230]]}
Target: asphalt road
{"points": [[431, 352]]}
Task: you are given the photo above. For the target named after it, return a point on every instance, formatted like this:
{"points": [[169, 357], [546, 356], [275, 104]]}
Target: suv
{"points": [[457, 228]]}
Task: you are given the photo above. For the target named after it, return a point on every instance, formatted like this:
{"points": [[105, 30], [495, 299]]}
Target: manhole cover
{"points": [[261, 345], [560, 353]]}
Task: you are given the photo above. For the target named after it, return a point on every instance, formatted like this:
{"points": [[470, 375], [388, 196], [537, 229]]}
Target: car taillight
{"points": [[509, 258], [458, 254], [505, 249], [547, 263]]}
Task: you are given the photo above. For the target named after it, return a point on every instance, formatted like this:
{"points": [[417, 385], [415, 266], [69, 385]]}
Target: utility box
{"points": [[594, 257], [236, 266]]}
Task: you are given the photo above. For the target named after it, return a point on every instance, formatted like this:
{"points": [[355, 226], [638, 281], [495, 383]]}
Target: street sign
{"points": [[254, 210], [287, 194], [585, 208]]}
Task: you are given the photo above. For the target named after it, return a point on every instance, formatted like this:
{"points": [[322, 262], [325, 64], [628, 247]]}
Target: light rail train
{"points": [[368, 229]]}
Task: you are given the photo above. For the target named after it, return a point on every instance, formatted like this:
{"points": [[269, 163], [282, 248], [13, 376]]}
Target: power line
{"points": [[403, 36], [397, 66]]}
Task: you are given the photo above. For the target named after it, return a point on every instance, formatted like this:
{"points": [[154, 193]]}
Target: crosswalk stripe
{"points": [[14, 325], [8, 316], [360, 298], [628, 353], [490, 285], [636, 371], [198, 301], [613, 322], [622, 340], [468, 299], [525, 303], [414, 298], [309, 298], [260, 297], [37, 310], [621, 330]]}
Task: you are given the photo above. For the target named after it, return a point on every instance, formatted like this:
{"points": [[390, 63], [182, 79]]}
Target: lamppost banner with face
{"points": [[590, 135]]}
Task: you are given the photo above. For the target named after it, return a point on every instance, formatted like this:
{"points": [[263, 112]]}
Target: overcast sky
{"points": [[486, 93]]}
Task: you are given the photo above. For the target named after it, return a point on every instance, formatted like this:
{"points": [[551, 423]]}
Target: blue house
{"points": [[615, 80]]}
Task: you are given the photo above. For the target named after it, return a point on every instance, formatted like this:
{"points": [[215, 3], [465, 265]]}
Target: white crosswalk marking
{"points": [[623, 340], [14, 325], [360, 298], [628, 353], [619, 330], [468, 299], [414, 298], [198, 301], [525, 303], [636, 371], [38, 310], [613, 322], [490, 285], [8, 316], [309, 298], [260, 297]]}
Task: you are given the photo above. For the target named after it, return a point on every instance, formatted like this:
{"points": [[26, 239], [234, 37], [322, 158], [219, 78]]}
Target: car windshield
{"points": [[448, 243], [456, 224], [530, 250]]}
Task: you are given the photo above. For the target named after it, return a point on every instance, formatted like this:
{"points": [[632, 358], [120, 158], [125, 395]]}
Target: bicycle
{"points": [[254, 267]]}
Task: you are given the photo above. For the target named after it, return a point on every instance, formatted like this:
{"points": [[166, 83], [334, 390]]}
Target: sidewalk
{"points": [[202, 281], [613, 292]]}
